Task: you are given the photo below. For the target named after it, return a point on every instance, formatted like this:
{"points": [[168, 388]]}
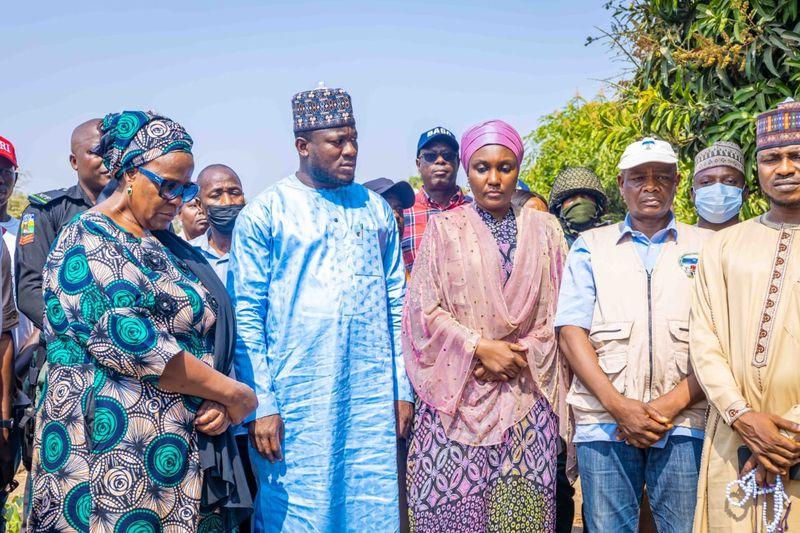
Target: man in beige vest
{"points": [[745, 342], [623, 315]]}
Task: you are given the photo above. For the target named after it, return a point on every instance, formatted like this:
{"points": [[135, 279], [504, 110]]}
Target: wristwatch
{"points": [[7, 424]]}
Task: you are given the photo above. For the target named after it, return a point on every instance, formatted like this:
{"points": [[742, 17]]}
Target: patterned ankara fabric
{"points": [[134, 138], [112, 451], [576, 180], [779, 127], [505, 233], [510, 486], [322, 108], [318, 284], [416, 220], [719, 154]]}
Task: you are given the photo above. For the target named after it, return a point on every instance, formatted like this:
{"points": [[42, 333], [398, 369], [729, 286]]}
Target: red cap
{"points": [[7, 151]]}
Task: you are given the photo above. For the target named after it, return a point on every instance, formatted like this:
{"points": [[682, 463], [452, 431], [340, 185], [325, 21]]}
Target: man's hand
{"points": [[639, 424], [667, 405], [266, 436], [761, 433], [501, 358], [211, 418], [762, 476], [404, 416]]}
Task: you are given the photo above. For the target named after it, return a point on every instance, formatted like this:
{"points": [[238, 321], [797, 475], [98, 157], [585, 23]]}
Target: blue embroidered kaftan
{"points": [[318, 283]]}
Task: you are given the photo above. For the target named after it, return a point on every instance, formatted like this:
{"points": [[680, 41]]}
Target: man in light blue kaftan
{"points": [[318, 282]]}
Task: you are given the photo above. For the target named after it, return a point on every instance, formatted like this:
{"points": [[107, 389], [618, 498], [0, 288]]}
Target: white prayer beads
{"points": [[747, 484]]}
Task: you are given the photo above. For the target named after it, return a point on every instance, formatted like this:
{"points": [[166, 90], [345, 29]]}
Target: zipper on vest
{"points": [[650, 335]]}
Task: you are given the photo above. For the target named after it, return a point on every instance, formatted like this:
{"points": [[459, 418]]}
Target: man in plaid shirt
{"points": [[437, 162]]}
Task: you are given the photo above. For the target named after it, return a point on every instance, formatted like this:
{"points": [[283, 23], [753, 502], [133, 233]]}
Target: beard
{"points": [[322, 176], [783, 203]]}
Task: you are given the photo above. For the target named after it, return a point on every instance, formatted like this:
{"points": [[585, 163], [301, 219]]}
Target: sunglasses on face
{"points": [[431, 157], [171, 189]]}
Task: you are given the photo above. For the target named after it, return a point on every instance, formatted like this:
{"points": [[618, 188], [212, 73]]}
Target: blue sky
{"points": [[227, 71]]}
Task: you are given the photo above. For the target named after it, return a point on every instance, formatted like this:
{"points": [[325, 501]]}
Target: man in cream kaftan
{"points": [[745, 337]]}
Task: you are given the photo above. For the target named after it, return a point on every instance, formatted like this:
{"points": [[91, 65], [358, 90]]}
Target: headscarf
{"points": [[134, 138], [490, 132]]}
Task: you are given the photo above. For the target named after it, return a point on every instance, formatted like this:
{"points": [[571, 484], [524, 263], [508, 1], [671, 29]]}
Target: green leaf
{"points": [[734, 115], [761, 102], [789, 35], [769, 64], [743, 94]]}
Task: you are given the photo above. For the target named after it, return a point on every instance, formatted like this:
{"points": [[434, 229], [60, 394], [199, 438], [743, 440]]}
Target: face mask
{"points": [[223, 217], [580, 213], [718, 203]]}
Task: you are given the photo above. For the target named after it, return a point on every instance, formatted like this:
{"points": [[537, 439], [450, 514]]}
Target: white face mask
{"points": [[718, 203]]}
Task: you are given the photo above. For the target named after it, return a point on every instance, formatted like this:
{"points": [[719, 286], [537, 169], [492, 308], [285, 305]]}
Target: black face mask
{"points": [[223, 217]]}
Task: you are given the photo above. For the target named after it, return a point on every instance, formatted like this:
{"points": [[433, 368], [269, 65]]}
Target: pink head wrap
{"points": [[490, 132]]}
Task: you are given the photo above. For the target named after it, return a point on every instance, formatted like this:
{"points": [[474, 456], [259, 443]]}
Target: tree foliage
{"points": [[699, 72], [708, 68], [585, 133]]}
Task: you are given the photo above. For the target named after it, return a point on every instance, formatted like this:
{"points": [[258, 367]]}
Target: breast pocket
{"points": [[367, 296], [367, 257]]}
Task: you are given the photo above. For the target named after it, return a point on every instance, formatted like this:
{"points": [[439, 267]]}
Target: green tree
{"points": [[584, 133], [702, 71]]}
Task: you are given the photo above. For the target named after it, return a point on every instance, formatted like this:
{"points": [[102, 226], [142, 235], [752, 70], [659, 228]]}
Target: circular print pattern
{"points": [[166, 459], [138, 521], [122, 293], [74, 274], [195, 301], [93, 305], [127, 125], [55, 313], [78, 507], [55, 446], [110, 423], [132, 334]]}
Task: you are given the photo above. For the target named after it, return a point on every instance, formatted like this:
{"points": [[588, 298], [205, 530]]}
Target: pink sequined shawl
{"points": [[456, 296]]}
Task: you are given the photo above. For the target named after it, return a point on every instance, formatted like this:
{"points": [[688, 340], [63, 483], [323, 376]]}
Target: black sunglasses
{"points": [[432, 157]]}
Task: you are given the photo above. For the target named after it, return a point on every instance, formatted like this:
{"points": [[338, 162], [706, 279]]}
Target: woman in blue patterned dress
{"points": [[130, 334]]}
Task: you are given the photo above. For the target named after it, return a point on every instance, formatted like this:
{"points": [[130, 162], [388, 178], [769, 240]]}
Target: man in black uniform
{"points": [[50, 211], [41, 222]]}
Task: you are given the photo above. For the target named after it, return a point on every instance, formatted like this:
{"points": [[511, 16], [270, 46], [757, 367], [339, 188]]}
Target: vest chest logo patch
{"points": [[688, 263]]}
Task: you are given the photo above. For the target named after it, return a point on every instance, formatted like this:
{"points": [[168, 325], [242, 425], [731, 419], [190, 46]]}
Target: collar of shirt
{"points": [[457, 199], [659, 237], [201, 243], [76, 192]]}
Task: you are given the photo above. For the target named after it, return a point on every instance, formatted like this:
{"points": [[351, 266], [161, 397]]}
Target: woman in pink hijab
{"points": [[481, 352]]}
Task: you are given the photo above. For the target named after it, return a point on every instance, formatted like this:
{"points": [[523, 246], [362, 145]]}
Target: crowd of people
{"points": [[330, 356]]}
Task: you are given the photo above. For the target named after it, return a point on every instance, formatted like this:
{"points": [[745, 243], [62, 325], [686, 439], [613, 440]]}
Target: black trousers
{"points": [[565, 506], [244, 453]]}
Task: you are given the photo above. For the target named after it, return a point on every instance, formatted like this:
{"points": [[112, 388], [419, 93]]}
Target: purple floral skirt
{"points": [[454, 487]]}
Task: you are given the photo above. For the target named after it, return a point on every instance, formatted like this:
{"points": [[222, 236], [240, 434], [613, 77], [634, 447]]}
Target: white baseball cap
{"points": [[648, 150]]}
